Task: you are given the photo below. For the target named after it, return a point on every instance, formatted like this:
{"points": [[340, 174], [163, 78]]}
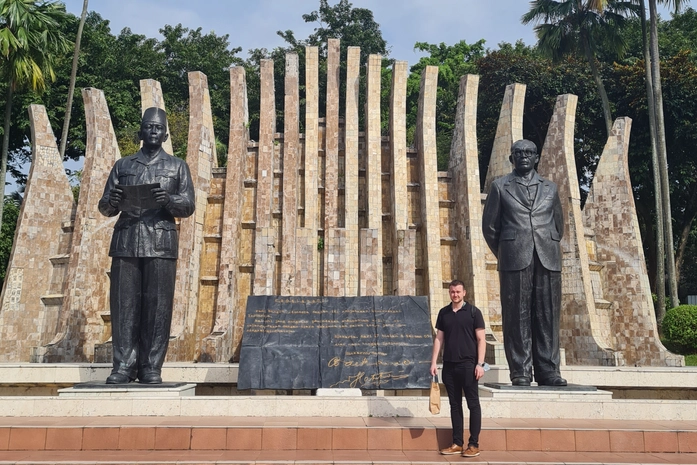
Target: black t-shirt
{"points": [[460, 340]]}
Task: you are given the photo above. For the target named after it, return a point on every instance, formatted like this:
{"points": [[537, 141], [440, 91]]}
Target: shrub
{"points": [[680, 329]]}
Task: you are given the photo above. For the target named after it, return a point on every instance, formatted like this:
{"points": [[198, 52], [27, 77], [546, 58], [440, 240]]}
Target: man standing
{"points": [[460, 333], [523, 226], [144, 252]]}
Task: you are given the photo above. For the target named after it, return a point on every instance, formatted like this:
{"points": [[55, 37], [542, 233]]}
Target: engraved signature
{"points": [[360, 379]]}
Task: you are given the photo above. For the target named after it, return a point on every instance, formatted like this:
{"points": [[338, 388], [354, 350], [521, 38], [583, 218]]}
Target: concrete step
{"points": [[315, 457], [361, 435]]}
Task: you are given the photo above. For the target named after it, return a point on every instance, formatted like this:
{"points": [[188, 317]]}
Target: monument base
{"points": [[349, 392], [576, 392], [101, 389]]}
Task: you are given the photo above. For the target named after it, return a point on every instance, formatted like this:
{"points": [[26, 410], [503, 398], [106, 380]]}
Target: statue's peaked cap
{"points": [[155, 114]]}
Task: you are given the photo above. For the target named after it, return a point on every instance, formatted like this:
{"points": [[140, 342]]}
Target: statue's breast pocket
{"points": [[127, 177], [167, 179]]}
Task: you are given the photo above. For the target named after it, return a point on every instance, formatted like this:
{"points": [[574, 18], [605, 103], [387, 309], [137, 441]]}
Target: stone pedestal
{"points": [[101, 389]]}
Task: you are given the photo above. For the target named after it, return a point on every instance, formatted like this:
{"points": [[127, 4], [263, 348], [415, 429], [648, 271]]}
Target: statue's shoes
{"points": [[150, 378], [555, 381], [118, 378], [521, 381]]}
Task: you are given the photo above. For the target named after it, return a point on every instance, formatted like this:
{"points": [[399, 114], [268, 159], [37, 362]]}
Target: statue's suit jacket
{"points": [[513, 228]]}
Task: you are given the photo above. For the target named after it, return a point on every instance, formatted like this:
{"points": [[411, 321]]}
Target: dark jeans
{"points": [[142, 292], [459, 377]]}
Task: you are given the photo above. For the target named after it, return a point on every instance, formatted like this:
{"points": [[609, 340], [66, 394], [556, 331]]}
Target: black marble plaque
{"points": [[336, 342]]}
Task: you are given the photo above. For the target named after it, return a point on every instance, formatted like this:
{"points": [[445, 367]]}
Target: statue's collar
{"points": [[143, 159]]}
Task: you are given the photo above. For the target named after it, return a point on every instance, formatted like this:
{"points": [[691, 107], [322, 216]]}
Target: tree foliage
{"points": [[453, 61], [7, 233], [31, 44]]}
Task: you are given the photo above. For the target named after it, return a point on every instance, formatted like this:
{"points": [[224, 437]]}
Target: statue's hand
{"points": [[161, 196], [115, 196]]}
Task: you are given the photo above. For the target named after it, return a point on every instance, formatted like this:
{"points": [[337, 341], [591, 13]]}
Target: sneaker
{"points": [[471, 451], [452, 450]]}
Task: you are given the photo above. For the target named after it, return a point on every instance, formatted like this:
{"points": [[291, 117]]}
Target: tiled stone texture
{"points": [[151, 96], [85, 306], [370, 239], [404, 239], [291, 140], [581, 335], [331, 150], [265, 237], [227, 329], [420, 228], [611, 214], [509, 130], [33, 289], [470, 248], [311, 220], [192, 315], [335, 238], [429, 227], [351, 132]]}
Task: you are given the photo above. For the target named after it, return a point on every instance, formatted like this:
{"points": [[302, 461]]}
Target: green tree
{"points": [[658, 128], [184, 50], [30, 45], [73, 77], [576, 27], [355, 27], [7, 233], [453, 61], [545, 80]]}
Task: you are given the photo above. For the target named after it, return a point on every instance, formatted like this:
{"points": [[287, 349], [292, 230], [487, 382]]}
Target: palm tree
{"points": [[660, 284], [578, 27], [30, 43], [660, 133], [73, 78]]}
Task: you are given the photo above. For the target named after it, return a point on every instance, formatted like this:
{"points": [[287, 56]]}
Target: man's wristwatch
{"points": [[485, 366]]}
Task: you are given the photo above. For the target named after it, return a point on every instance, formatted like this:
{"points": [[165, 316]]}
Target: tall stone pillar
{"points": [[33, 289], [471, 248], [307, 280], [353, 63], [85, 307], [428, 181], [371, 237], [229, 312], [580, 333], [509, 130], [611, 213], [265, 236], [334, 236], [189, 325], [151, 96], [291, 140], [403, 238]]}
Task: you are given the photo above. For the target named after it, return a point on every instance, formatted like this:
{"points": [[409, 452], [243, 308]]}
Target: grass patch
{"points": [[691, 360]]}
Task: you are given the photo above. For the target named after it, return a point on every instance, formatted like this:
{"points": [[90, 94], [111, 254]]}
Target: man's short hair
{"points": [[456, 282]]}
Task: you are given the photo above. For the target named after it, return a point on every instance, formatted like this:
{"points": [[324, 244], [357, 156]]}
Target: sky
{"points": [[253, 23]]}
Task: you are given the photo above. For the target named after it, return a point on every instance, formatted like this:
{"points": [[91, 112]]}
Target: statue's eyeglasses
{"points": [[528, 153]]}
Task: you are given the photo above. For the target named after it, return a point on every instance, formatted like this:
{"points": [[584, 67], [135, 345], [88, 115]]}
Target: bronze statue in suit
{"points": [[523, 225]]}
